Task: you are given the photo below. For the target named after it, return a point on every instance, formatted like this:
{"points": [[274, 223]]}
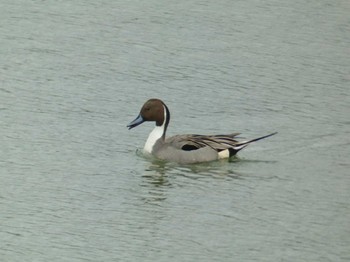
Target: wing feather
{"points": [[192, 142]]}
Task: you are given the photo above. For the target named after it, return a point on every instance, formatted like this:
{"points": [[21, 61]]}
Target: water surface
{"points": [[74, 74]]}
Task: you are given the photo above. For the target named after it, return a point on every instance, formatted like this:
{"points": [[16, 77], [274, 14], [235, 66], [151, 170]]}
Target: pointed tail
{"points": [[243, 144]]}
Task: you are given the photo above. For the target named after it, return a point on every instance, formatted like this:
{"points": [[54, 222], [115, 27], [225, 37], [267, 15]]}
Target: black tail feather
{"points": [[257, 139], [243, 144]]}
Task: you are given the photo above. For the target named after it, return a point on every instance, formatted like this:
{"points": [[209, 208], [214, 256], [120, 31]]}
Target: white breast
{"points": [[153, 137]]}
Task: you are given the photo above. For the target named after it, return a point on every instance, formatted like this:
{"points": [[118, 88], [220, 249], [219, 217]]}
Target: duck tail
{"points": [[239, 146]]}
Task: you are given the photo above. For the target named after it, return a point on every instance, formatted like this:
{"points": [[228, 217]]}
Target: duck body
{"points": [[184, 149]]}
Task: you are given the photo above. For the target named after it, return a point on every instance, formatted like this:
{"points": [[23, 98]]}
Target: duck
{"points": [[187, 148]]}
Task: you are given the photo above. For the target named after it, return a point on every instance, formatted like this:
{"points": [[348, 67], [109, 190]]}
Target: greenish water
{"points": [[74, 74]]}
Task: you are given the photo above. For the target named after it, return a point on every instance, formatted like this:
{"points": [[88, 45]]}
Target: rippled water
{"points": [[73, 74]]}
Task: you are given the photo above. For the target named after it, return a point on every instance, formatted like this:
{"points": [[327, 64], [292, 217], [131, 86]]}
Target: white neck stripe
{"points": [[155, 135]]}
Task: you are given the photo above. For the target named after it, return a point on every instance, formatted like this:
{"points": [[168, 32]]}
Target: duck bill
{"points": [[138, 121]]}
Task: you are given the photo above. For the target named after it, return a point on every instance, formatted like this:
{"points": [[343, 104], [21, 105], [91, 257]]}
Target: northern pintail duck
{"points": [[185, 149]]}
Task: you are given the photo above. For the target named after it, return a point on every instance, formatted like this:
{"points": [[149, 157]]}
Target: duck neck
{"points": [[158, 132]]}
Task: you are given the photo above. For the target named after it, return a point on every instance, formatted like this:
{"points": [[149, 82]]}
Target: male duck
{"points": [[184, 149]]}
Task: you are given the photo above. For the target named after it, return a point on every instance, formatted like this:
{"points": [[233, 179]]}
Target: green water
{"points": [[74, 74]]}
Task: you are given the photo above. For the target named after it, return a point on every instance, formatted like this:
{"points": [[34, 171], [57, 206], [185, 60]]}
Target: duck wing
{"points": [[194, 142], [216, 142]]}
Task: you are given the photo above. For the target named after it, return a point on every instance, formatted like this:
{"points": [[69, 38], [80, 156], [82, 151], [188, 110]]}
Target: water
{"points": [[74, 74]]}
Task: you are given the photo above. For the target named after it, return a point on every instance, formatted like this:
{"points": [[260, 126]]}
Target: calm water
{"points": [[73, 74]]}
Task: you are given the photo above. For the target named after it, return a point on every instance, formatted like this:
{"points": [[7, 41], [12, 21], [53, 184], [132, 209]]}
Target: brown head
{"points": [[153, 110]]}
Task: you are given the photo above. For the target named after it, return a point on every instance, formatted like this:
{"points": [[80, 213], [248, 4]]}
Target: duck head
{"points": [[153, 110]]}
